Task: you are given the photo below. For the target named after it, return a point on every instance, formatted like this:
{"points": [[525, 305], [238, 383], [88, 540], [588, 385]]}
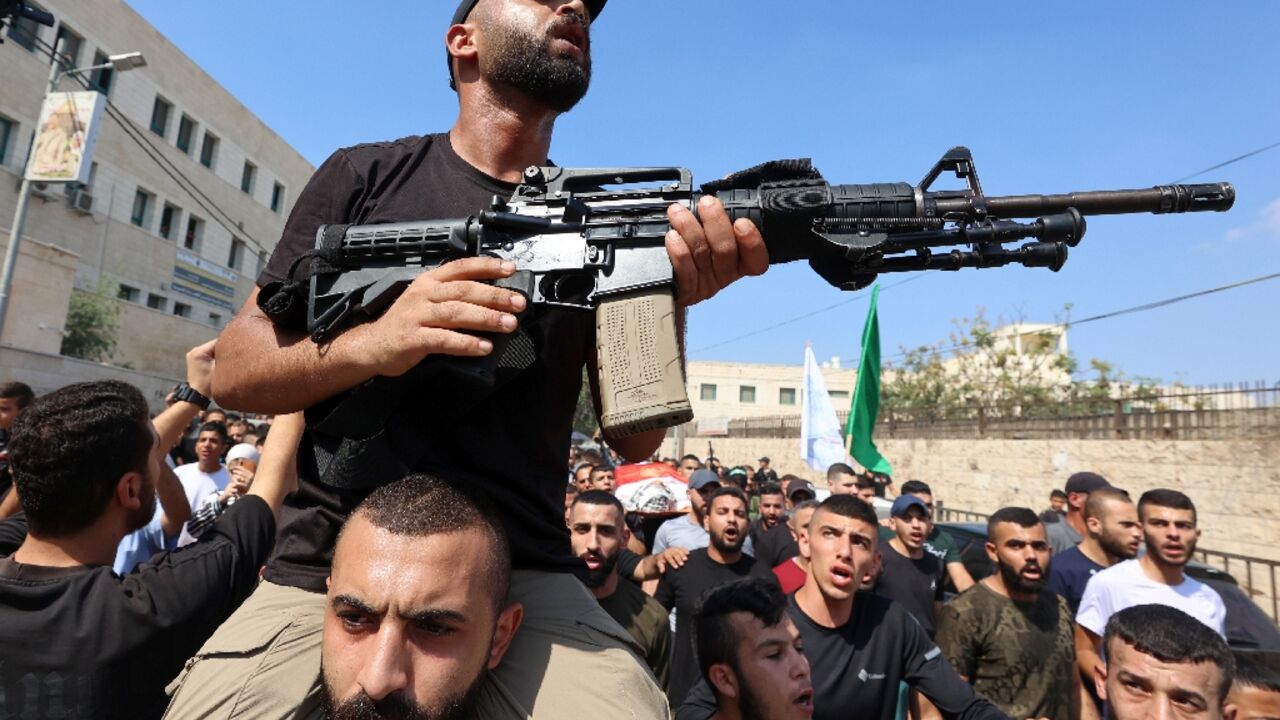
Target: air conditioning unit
{"points": [[82, 202]]}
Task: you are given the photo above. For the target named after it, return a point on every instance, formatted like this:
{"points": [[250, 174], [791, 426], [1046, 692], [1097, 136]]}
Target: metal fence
{"points": [[1259, 578], [1239, 411]]}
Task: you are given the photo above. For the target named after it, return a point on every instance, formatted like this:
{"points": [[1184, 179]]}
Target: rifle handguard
{"points": [[638, 361]]}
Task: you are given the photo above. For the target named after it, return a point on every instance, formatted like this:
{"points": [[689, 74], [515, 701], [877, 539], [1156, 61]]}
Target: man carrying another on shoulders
{"points": [[517, 66]]}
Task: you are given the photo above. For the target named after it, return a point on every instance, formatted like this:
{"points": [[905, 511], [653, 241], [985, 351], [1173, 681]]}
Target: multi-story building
{"points": [[182, 208], [729, 390]]}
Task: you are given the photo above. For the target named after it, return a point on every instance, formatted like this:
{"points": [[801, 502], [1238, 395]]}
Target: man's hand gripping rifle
{"points": [[593, 239]]}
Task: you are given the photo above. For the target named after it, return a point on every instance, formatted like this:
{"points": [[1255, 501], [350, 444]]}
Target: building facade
{"points": [[728, 390], [188, 193]]}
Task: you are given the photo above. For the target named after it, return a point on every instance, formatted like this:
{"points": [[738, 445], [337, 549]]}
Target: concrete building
{"points": [[181, 261], [727, 390]]}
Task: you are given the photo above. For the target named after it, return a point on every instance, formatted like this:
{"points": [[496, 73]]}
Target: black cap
{"points": [[799, 486], [1086, 482], [466, 6]]}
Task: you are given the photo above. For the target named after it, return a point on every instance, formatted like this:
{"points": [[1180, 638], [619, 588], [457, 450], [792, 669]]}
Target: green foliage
{"points": [[92, 320], [990, 374]]}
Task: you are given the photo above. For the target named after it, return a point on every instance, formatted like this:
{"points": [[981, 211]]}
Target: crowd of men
{"points": [[444, 562]]}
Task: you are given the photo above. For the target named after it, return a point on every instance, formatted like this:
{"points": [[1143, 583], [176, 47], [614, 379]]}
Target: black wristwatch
{"points": [[185, 393]]}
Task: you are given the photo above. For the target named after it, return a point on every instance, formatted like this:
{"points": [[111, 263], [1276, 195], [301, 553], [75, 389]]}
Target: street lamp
{"points": [[121, 63]]}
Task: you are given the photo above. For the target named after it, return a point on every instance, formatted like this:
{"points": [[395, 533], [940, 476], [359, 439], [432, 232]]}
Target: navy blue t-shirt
{"points": [[1069, 573]]}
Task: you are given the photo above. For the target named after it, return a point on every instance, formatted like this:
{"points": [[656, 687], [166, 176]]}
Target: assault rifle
{"points": [[580, 242]]}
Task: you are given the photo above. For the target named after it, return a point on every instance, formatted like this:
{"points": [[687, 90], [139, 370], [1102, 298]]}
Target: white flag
{"points": [[821, 444]]}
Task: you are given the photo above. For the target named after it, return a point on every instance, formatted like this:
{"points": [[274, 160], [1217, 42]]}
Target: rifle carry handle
{"points": [[642, 383]]}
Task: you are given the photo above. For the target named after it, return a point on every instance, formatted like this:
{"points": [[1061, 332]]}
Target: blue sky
{"points": [[1050, 96]]}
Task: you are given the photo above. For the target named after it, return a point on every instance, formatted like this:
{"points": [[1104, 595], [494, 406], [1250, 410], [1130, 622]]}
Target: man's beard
{"points": [[1014, 581], [1157, 553], [750, 706], [396, 707], [1116, 548], [597, 577], [724, 545], [526, 63]]}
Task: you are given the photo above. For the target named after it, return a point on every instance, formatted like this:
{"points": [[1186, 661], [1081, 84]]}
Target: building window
{"points": [[25, 31], [247, 176], [838, 395], [8, 131], [209, 150], [215, 320], [71, 44], [169, 218], [746, 394], [236, 254], [186, 132], [128, 294], [156, 302], [707, 392], [786, 396], [160, 116], [195, 234], [141, 208], [182, 310], [102, 78], [277, 197]]}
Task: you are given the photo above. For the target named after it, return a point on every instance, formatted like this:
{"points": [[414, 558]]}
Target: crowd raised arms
{"points": [[236, 556]]}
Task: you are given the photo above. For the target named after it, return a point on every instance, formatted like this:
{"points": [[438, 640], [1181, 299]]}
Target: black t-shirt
{"points": [[774, 545], [682, 589], [511, 445], [915, 584], [84, 642], [857, 667]]}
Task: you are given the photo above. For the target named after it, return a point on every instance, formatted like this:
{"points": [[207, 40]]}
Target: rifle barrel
{"points": [[1159, 199]]}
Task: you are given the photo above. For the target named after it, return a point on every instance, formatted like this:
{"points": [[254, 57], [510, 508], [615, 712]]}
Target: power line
{"points": [[1125, 311], [1228, 162], [804, 316]]}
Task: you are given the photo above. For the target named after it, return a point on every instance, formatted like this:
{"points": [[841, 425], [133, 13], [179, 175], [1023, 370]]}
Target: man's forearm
{"points": [[277, 473], [264, 368], [171, 423]]}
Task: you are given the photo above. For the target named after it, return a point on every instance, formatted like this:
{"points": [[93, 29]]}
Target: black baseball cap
{"points": [[466, 6], [1086, 482]]}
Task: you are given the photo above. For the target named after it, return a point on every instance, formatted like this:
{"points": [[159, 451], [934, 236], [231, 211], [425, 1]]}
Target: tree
{"points": [[92, 320], [584, 415]]}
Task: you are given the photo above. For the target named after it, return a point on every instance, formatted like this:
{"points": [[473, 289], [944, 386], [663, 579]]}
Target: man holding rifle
{"points": [[516, 65]]}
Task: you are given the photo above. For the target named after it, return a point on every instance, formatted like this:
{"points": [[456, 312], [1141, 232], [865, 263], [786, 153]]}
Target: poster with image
{"points": [[65, 135]]}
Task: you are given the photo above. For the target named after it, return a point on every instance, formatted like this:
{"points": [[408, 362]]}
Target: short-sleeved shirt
{"points": [[87, 643], [1069, 573], [916, 584], [646, 620], [1020, 655], [681, 589], [938, 543], [773, 545], [1124, 585], [511, 444], [1062, 537], [142, 544], [790, 575], [858, 668], [681, 532]]}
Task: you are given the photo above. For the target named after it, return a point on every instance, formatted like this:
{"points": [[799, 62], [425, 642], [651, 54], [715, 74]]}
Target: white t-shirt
{"points": [[198, 485], [1124, 585]]}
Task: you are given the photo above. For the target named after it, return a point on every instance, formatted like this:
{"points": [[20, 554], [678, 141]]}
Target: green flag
{"points": [[866, 397]]}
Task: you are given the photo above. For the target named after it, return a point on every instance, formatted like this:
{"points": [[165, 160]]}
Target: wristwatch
{"points": [[185, 393]]}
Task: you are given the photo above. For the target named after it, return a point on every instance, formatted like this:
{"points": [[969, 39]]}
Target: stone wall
{"points": [[1234, 483], [45, 372]]}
